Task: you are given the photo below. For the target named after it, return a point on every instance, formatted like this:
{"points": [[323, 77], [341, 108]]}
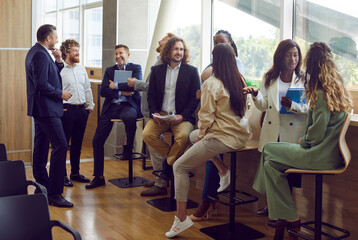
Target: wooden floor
{"points": [[113, 213]]}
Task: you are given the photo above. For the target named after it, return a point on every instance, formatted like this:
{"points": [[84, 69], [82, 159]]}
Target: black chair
{"points": [[315, 226], [3, 155], [13, 179], [27, 217]]}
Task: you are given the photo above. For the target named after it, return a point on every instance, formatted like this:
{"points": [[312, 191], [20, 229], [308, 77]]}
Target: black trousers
{"points": [[128, 114], [49, 130], [74, 123]]}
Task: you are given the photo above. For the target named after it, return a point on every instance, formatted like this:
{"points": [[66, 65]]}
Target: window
{"points": [[93, 33], [332, 22], [66, 15], [255, 29], [186, 25]]}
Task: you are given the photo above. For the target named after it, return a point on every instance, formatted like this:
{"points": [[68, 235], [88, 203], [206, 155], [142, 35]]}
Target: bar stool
{"points": [[130, 181], [234, 230], [168, 204], [317, 222]]}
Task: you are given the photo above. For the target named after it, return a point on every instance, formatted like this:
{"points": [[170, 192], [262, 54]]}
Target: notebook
{"points": [[121, 76], [295, 94]]}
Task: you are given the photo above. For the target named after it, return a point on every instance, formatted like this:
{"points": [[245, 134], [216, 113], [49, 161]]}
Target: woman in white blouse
{"points": [[223, 127], [285, 73]]}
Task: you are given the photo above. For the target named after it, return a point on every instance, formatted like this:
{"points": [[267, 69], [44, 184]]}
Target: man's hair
{"points": [[44, 31], [122, 46], [168, 47], [66, 47], [171, 35]]}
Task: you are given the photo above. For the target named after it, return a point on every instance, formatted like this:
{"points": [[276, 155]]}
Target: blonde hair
{"points": [[321, 73]]}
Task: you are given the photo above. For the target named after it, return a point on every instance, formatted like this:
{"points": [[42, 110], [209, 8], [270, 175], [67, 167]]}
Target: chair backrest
{"points": [[12, 178], [25, 217], [255, 119], [3, 155], [343, 147]]}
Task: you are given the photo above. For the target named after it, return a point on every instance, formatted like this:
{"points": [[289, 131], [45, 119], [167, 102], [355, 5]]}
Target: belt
{"points": [[72, 106], [119, 103]]}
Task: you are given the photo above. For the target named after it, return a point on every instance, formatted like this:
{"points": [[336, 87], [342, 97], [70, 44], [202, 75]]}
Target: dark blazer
{"points": [[111, 94], [185, 93], [43, 82]]}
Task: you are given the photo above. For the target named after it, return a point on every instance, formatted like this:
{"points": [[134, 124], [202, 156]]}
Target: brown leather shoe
{"points": [[263, 211], [149, 184], [154, 191]]}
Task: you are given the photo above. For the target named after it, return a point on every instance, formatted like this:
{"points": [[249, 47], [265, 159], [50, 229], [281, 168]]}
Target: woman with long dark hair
{"points": [[318, 149], [285, 73], [217, 176], [223, 127]]}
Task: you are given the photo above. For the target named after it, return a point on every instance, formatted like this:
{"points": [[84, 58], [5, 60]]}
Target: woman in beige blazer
{"points": [[223, 127]]}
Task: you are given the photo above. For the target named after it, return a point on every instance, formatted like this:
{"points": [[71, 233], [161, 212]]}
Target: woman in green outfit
{"points": [[318, 149]]}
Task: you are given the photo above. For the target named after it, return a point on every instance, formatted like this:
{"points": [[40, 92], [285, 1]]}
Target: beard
{"points": [[75, 59], [177, 60]]}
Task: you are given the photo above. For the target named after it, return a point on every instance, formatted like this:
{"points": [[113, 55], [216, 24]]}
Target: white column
{"points": [[286, 19], [163, 25], [206, 33]]}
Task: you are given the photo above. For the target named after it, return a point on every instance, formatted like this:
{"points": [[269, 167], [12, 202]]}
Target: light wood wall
{"points": [[15, 40]]}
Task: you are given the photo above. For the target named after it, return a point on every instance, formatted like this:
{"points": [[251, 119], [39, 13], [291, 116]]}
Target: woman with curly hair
{"points": [[318, 149]]}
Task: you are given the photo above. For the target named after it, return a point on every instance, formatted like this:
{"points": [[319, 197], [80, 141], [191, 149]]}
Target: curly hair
{"points": [[321, 73], [168, 47], [66, 47], [282, 48]]}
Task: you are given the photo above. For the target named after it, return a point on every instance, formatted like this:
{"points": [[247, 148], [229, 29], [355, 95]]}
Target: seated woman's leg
{"points": [[199, 153]]}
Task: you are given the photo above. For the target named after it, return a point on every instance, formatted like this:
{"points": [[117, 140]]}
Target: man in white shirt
{"points": [[76, 109]]}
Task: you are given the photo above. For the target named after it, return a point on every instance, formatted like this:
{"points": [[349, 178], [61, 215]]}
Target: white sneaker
{"points": [[224, 181], [179, 226]]}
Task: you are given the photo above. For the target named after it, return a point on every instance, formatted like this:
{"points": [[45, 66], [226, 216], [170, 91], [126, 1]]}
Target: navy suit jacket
{"points": [[185, 92], [43, 83], [111, 94]]}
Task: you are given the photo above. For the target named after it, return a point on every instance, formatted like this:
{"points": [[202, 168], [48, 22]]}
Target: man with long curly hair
{"points": [[172, 103]]}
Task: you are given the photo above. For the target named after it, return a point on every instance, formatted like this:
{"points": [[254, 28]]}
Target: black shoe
{"points": [[263, 211], [154, 191], [79, 178], [96, 182], [67, 182], [127, 153], [58, 201]]}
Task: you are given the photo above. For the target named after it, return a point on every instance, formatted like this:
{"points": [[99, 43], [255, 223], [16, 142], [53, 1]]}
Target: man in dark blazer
{"points": [[44, 100], [121, 102], [172, 91]]}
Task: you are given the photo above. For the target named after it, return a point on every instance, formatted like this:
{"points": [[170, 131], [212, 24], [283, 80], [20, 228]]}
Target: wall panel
{"points": [[15, 40]]}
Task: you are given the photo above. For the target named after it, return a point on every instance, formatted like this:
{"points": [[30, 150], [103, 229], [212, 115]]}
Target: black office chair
{"points": [[3, 155], [13, 179], [27, 217]]}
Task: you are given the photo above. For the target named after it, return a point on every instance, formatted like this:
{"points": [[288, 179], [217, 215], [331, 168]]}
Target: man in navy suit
{"points": [[172, 91], [121, 102], [44, 104]]}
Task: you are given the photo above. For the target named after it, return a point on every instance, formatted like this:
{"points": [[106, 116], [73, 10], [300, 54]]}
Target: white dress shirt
{"points": [[169, 91], [75, 80]]}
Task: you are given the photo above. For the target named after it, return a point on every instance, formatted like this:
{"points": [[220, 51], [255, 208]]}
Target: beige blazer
{"points": [[294, 126]]}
